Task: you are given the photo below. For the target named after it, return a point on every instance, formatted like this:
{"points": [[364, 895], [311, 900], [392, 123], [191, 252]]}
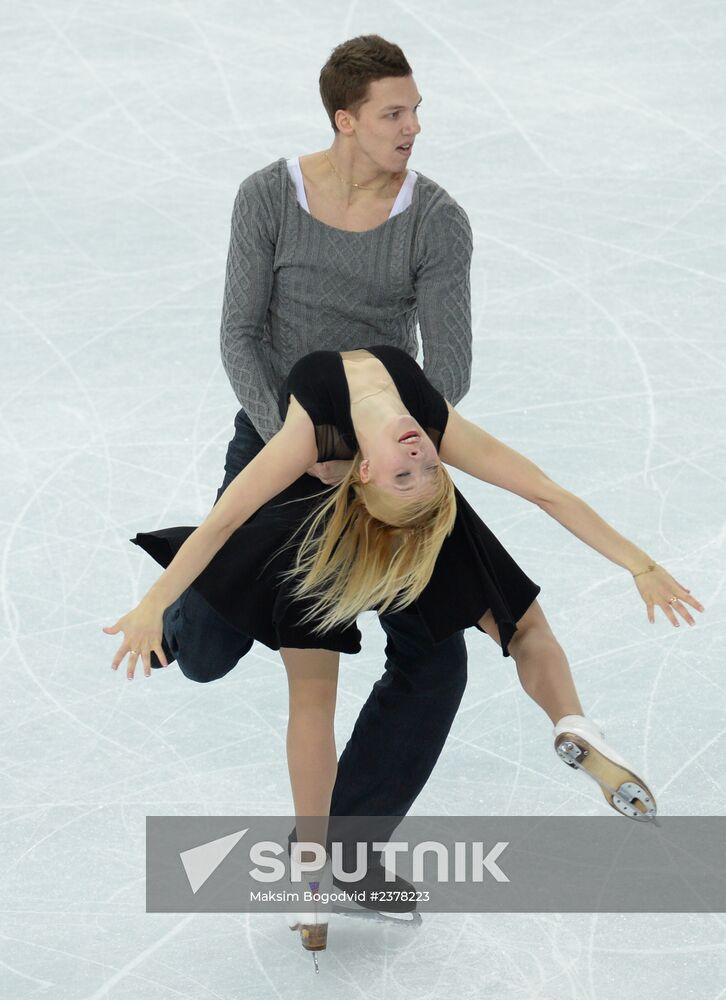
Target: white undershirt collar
{"points": [[403, 198]]}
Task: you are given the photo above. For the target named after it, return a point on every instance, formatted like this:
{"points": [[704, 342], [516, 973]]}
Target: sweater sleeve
{"points": [[443, 300], [247, 290]]}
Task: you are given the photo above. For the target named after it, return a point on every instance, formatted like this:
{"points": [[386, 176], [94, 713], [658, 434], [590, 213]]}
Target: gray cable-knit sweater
{"points": [[294, 285]]}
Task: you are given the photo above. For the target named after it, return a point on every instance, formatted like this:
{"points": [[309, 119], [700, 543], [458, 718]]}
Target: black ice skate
{"points": [[394, 901]]}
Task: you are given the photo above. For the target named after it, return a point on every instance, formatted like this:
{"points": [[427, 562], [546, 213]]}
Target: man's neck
{"points": [[333, 171]]}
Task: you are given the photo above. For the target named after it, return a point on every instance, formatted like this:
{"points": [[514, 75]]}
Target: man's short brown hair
{"points": [[352, 66]]}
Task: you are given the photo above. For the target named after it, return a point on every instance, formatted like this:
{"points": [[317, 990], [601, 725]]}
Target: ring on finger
{"points": [[672, 600]]}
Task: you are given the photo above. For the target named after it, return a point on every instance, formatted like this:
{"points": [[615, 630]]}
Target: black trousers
{"points": [[403, 725]]}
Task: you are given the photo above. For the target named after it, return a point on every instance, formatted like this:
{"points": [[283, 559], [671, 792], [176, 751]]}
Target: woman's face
{"points": [[387, 121], [402, 460]]}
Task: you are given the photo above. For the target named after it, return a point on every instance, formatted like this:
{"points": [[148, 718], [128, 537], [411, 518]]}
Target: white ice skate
{"points": [[313, 923], [579, 742]]}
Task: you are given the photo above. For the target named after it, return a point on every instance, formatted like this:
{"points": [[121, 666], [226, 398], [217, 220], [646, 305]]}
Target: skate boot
{"points": [[375, 887], [579, 742], [313, 923]]}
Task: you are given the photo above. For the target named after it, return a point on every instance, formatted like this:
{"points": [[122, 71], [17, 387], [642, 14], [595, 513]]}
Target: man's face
{"points": [[388, 120]]}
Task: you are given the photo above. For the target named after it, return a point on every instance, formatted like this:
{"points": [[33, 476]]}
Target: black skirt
{"points": [[473, 573]]}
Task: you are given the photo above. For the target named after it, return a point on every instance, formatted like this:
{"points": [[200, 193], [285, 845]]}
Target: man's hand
{"points": [[330, 473]]}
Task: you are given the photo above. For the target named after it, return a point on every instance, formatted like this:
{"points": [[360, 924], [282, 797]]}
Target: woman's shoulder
{"points": [[400, 361], [427, 403], [314, 364], [310, 380], [394, 354]]}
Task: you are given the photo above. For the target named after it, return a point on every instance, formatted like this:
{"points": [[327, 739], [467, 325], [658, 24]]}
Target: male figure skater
{"points": [[337, 250]]}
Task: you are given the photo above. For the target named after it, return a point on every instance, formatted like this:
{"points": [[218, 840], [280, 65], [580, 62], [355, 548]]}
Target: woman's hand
{"points": [[330, 473], [658, 587], [142, 629]]}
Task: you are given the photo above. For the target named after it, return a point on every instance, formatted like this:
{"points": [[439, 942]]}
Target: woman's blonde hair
{"points": [[366, 548]]}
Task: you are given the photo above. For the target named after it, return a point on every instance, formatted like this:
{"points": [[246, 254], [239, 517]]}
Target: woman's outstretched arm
{"points": [[283, 460], [471, 449]]}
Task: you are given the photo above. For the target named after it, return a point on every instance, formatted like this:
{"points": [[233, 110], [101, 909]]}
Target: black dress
{"points": [[473, 571]]}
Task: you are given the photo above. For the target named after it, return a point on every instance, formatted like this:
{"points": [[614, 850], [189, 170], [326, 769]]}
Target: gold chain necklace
{"points": [[350, 183]]}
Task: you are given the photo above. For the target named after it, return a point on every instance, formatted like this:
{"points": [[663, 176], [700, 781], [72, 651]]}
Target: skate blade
{"points": [[409, 918], [349, 907], [624, 791]]}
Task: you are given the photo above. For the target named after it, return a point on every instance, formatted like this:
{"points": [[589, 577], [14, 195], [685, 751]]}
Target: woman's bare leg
{"points": [[312, 677], [545, 675], [543, 670]]}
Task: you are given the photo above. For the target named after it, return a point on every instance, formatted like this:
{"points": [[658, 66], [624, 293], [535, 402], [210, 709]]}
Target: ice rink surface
{"points": [[586, 142]]}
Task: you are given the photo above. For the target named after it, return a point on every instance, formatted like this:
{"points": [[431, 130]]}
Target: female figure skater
{"points": [[293, 571]]}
